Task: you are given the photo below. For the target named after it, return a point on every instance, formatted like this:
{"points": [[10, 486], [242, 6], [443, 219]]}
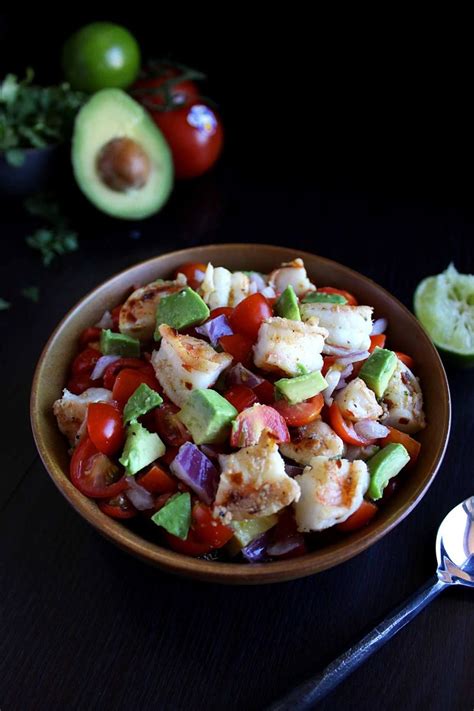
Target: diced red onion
{"points": [[258, 280], [333, 376], [287, 545], [268, 292], [102, 364], [370, 429], [240, 375], [197, 471], [106, 321], [140, 497], [293, 469], [215, 329], [336, 350], [380, 326], [353, 358], [256, 550]]}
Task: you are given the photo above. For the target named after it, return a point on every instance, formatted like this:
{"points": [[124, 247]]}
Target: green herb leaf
{"points": [[15, 157], [31, 293], [52, 243], [175, 516], [4, 305]]}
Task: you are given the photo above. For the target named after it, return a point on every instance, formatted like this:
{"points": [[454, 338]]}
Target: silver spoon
{"points": [[455, 555]]}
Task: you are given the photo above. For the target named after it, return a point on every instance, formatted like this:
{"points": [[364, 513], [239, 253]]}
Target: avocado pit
{"points": [[123, 165]]}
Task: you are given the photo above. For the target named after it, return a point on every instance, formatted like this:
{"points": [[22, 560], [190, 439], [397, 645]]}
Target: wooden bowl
{"points": [[404, 332]]}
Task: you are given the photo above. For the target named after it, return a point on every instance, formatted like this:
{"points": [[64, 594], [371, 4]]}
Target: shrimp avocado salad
{"points": [[237, 415]]}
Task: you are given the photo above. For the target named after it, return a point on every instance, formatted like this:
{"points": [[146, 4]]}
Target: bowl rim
{"points": [[212, 571]]}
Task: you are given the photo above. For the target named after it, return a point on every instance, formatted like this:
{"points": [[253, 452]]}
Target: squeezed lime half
{"points": [[444, 304]]}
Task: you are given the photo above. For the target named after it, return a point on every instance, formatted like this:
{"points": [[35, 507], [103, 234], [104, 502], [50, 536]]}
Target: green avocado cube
{"points": [[207, 415], [141, 448], [320, 297], [175, 516], [180, 310], [287, 305], [247, 530], [142, 401], [378, 369], [119, 344], [300, 388], [387, 463]]}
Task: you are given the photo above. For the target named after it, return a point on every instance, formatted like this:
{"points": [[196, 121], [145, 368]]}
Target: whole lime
{"points": [[101, 55]]}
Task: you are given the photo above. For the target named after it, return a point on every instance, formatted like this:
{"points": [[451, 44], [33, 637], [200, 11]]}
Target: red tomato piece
{"points": [[193, 271], [208, 529], [79, 383], [351, 300], [89, 335], [265, 392], [221, 311], [302, 413], [115, 313], [327, 363], [238, 346], [127, 381], [169, 455], [250, 424], [287, 541], [359, 518], [377, 341], [344, 428], [249, 315], [241, 397], [406, 360], [192, 546], [412, 446], [169, 427], [114, 368], [105, 427], [157, 481], [117, 507], [85, 361], [94, 474]]}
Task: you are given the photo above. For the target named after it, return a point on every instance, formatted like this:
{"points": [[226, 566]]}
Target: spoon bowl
{"points": [[455, 545]]}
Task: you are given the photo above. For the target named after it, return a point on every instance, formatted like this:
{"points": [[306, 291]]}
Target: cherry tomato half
{"points": [[406, 360], [128, 380], [117, 507], [302, 413], [359, 518], [221, 311], [85, 361], [411, 445], [249, 315], [377, 341], [105, 428], [169, 427], [344, 428], [157, 481], [265, 392], [193, 271], [195, 136], [89, 335], [351, 300], [115, 313], [81, 382], [208, 529], [94, 474], [241, 397], [238, 346]]}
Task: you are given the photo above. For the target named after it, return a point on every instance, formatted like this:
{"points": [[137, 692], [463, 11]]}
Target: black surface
{"points": [[359, 152]]}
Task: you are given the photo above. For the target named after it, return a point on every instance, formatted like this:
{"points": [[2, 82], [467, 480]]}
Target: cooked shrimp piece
{"points": [[215, 287], [313, 440], [138, 314], [71, 411], [183, 363], [290, 346], [358, 402], [331, 490], [348, 327], [403, 401], [291, 274], [239, 288], [254, 483]]}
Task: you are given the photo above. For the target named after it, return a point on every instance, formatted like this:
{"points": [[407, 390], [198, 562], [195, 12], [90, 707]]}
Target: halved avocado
{"points": [[120, 158]]}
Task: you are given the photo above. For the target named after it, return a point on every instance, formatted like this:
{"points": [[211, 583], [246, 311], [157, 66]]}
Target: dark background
{"points": [[347, 136]]}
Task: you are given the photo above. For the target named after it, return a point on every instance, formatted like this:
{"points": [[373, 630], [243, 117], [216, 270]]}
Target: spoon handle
{"points": [[313, 690]]}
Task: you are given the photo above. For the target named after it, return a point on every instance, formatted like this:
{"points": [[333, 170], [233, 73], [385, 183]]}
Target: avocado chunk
{"points": [[300, 388], [142, 401], [118, 344], [141, 448], [247, 530], [120, 158], [287, 305], [180, 310], [384, 465], [175, 516], [320, 297], [207, 415], [378, 369]]}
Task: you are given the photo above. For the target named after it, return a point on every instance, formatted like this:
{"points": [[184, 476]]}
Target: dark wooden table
{"points": [[84, 626]]}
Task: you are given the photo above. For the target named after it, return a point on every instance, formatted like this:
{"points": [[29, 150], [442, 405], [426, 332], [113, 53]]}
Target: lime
{"points": [[99, 56], [444, 304]]}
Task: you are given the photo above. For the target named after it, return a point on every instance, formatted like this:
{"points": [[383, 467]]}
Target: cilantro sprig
{"points": [[57, 237]]}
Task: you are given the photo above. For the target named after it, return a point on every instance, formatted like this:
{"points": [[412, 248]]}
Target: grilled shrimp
{"points": [[290, 346], [403, 401], [358, 402], [291, 273], [71, 411], [348, 327], [138, 314], [313, 440]]}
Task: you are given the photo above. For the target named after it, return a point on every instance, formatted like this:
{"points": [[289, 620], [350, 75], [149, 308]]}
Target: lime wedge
{"points": [[444, 304]]}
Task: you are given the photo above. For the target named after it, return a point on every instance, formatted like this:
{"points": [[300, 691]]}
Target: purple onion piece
{"points": [[139, 497], [106, 321], [293, 469], [286, 545], [215, 329], [380, 326], [353, 358], [102, 364], [197, 471], [256, 550], [239, 375], [333, 377], [370, 429]]}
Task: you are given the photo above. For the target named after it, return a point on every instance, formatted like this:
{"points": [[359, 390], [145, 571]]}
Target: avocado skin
{"points": [[207, 415], [301, 387], [287, 305], [383, 466], [378, 369], [181, 310]]}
